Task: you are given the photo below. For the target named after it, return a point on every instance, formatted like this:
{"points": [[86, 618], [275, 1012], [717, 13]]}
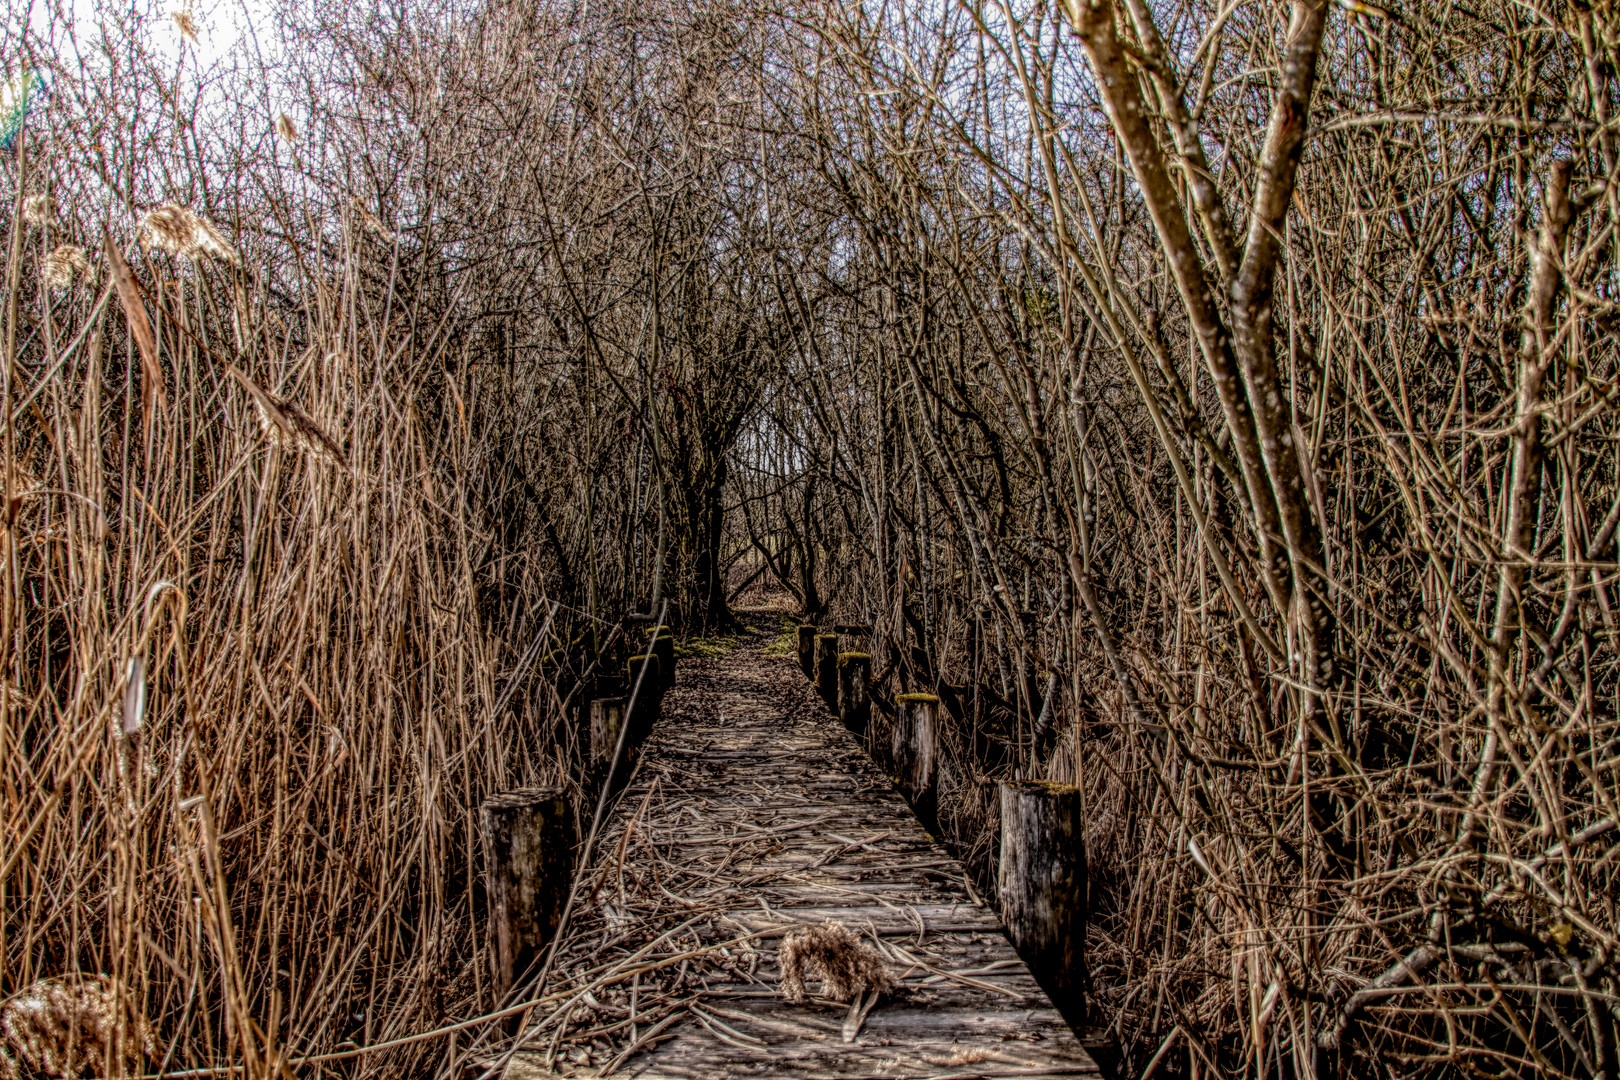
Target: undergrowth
{"points": [[700, 648], [787, 638]]}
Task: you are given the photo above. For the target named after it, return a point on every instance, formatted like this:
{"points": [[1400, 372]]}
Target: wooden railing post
{"points": [[648, 703], [528, 859], [1042, 885], [807, 650], [854, 692], [662, 646], [607, 717], [915, 749], [827, 668], [652, 687]]}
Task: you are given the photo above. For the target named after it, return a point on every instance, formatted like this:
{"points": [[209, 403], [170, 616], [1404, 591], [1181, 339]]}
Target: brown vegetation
{"points": [[1214, 402], [830, 952]]}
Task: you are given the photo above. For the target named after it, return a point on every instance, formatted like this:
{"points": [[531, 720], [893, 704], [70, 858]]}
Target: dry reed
{"points": [[65, 264], [179, 230], [830, 952]]}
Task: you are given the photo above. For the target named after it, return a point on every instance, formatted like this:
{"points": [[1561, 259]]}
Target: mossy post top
{"points": [[854, 656], [932, 699], [1043, 787]]}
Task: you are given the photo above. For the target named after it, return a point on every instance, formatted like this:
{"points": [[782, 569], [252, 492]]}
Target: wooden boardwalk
{"points": [[752, 812]]}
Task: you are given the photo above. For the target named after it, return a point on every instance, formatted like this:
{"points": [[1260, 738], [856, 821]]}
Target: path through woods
{"points": [[753, 811]]}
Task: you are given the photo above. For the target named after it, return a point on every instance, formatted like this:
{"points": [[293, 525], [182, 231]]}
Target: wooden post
{"points": [[854, 692], [662, 646], [807, 650], [1042, 884], [650, 701], [653, 683], [607, 717], [528, 859], [827, 668], [915, 750]]}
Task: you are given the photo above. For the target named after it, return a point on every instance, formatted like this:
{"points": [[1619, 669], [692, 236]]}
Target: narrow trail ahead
{"points": [[752, 812]]}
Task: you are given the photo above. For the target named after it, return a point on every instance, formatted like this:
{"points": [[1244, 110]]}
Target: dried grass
{"points": [[72, 1024], [284, 423], [186, 24], [287, 803], [967, 1055], [65, 264], [250, 700], [833, 953], [179, 230], [372, 223], [39, 210]]}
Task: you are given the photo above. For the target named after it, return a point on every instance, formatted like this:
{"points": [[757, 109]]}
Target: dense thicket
{"points": [[1214, 401], [1249, 465]]}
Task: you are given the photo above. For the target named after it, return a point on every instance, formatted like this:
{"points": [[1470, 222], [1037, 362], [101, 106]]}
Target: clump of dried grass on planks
{"points": [[65, 1025], [959, 1055], [831, 952]]}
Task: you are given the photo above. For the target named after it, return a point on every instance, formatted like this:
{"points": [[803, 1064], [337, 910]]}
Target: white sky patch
{"points": [[224, 29], [220, 26]]}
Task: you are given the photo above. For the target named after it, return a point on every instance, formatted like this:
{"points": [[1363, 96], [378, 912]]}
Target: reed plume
{"points": [[831, 951], [179, 230], [38, 210], [66, 1025], [186, 25], [372, 223], [63, 265], [285, 424]]}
